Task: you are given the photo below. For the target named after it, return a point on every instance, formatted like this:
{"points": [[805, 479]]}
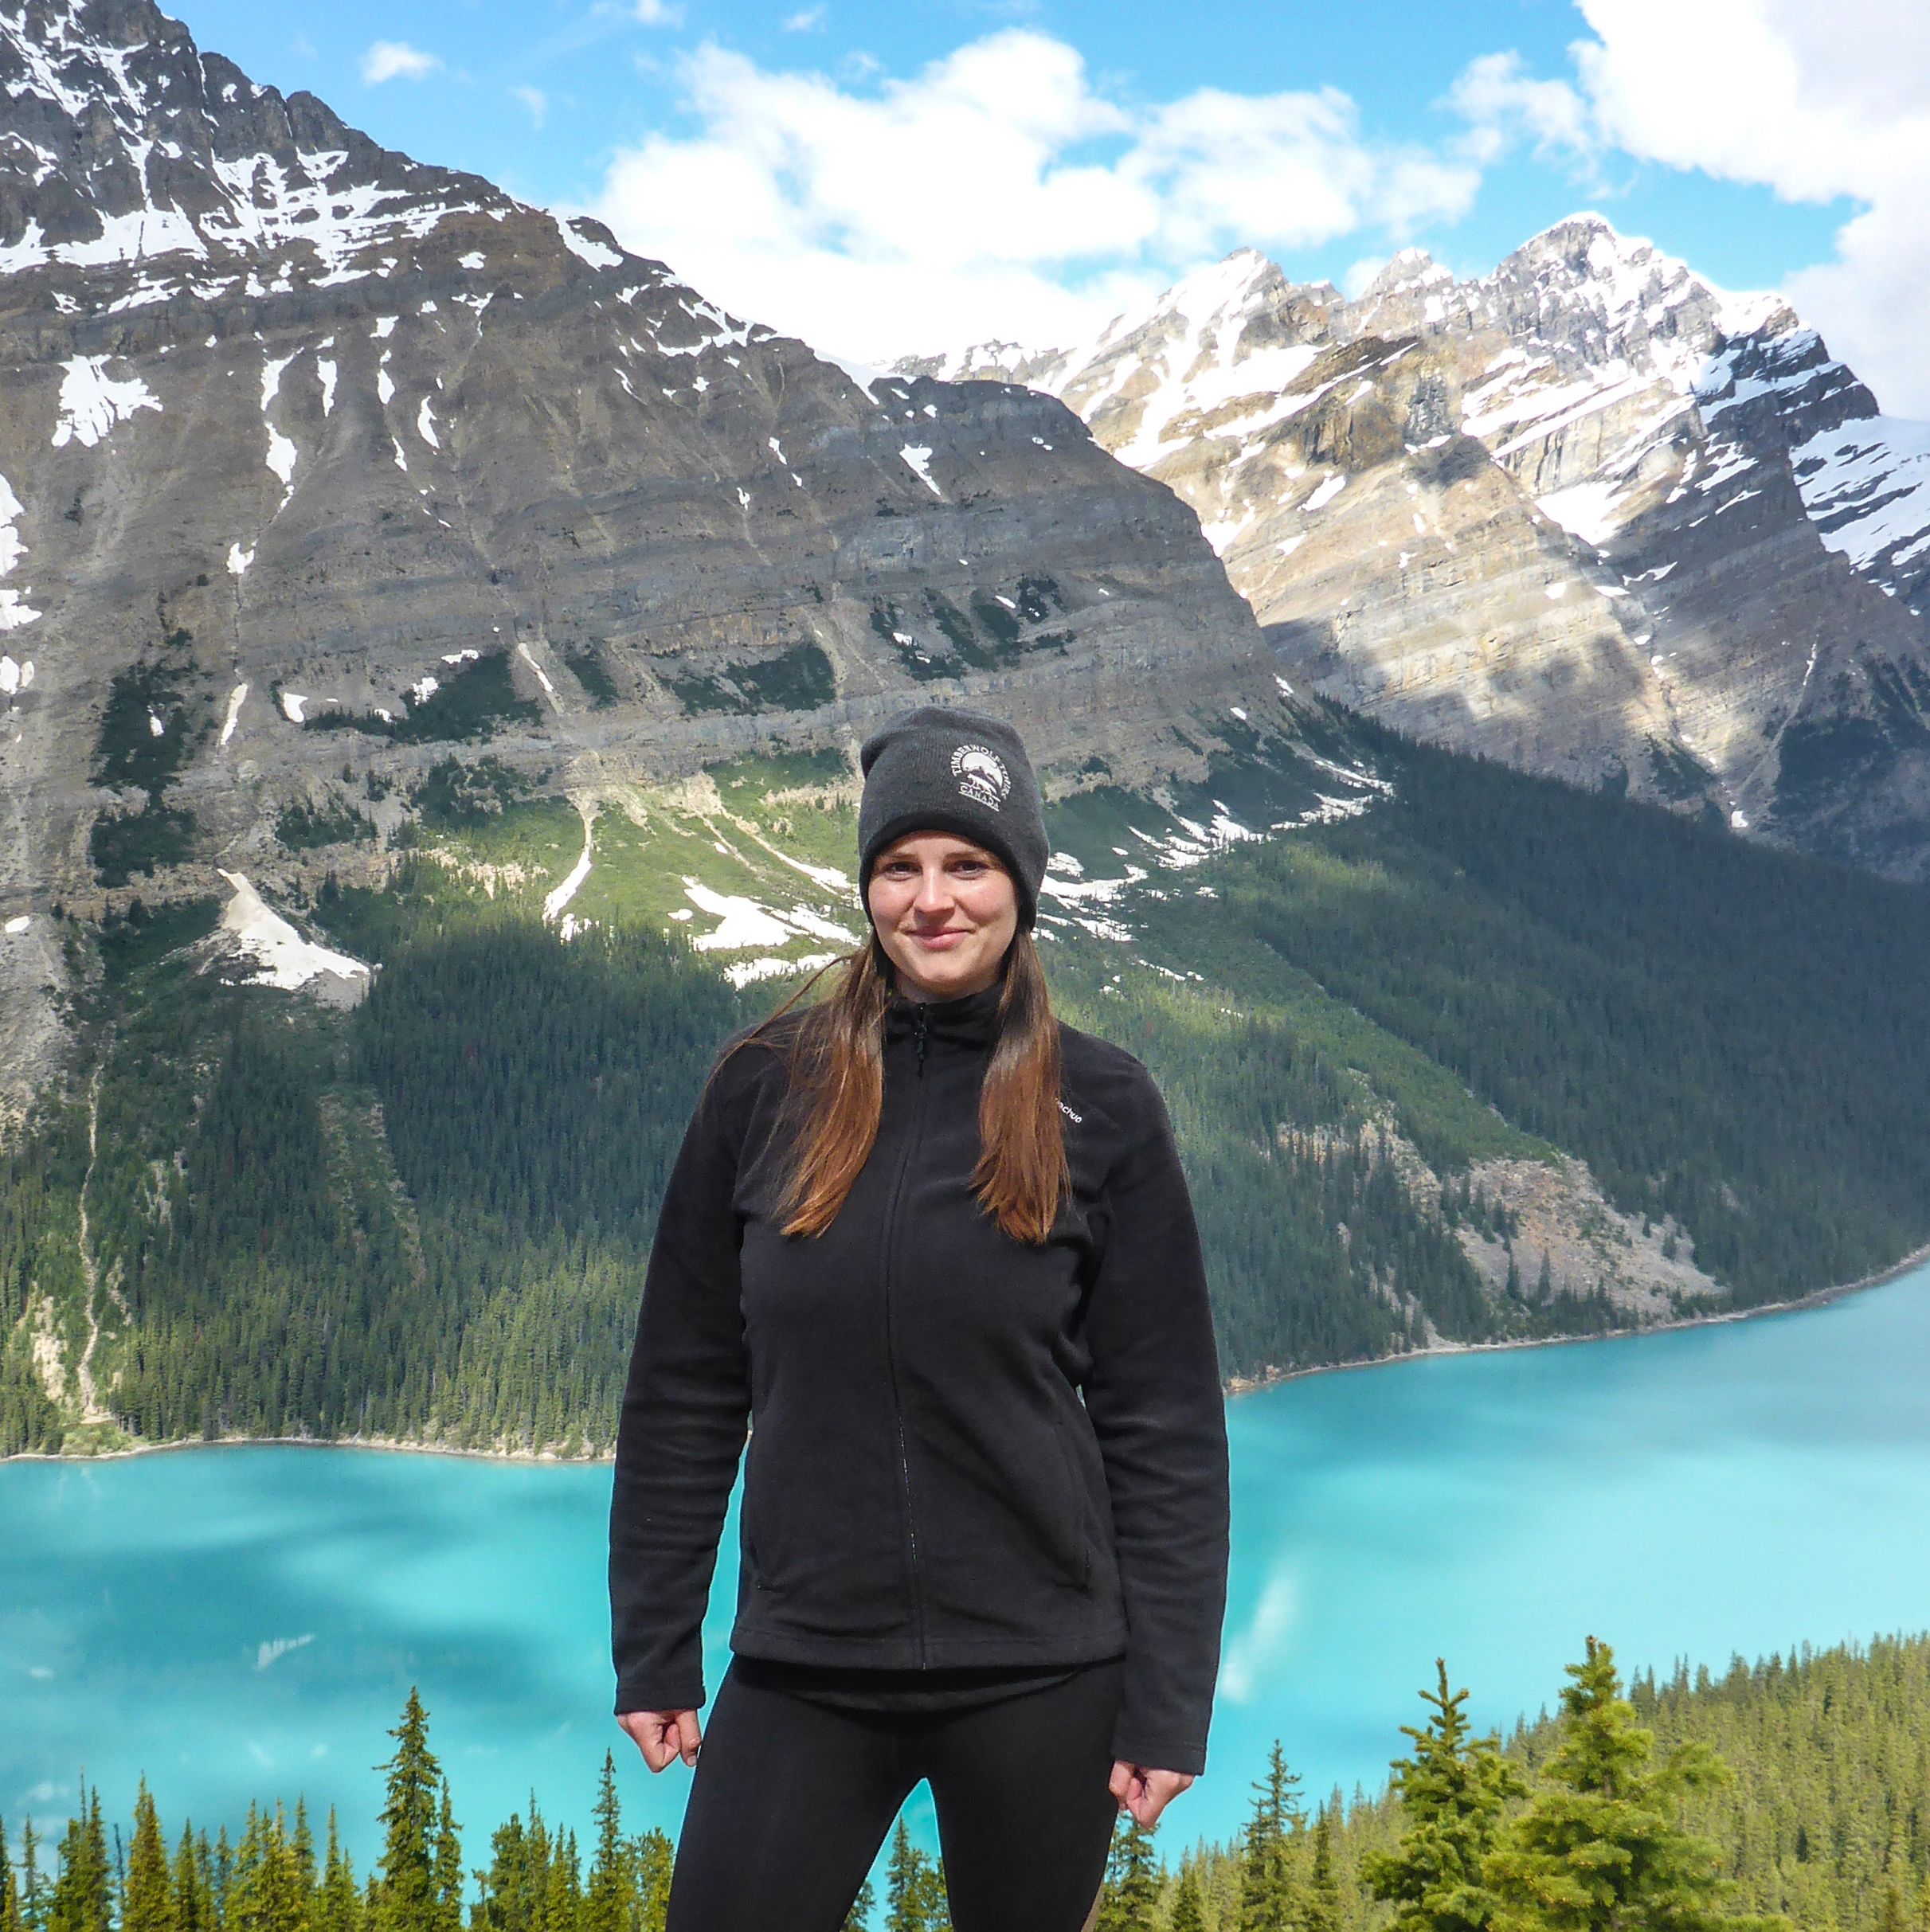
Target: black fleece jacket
{"points": [[925, 1486]]}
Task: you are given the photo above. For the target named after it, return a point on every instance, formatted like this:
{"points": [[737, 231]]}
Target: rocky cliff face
{"points": [[318, 464], [1588, 514]]}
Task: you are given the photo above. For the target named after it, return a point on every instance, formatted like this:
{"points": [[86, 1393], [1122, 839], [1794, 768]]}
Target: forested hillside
{"points": [[1791, 1793], [1806, 1777], [1469, 1056]]}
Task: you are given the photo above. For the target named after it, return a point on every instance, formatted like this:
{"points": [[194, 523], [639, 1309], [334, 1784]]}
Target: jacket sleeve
{"points": [[686, 1407], [1154, 1397]]}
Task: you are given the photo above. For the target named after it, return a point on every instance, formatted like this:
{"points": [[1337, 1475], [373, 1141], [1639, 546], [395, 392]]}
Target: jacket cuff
{"points": [[1152, 1753], [662, 1695]]}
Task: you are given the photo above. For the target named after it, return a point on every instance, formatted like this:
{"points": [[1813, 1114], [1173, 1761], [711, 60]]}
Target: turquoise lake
{"points": [[245, 1622]]}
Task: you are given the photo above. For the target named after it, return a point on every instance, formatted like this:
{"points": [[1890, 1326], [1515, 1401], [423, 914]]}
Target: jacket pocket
{"points": [[1079, 1569]]}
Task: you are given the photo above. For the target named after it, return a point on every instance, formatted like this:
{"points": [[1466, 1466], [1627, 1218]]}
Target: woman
{"points": [[907, 1226]]}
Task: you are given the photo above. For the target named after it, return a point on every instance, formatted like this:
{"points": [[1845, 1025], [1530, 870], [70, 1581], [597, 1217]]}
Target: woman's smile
{"points": [[937, 875]]}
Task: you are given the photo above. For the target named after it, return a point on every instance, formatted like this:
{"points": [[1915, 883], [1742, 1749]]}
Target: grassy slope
{"points": [[1500, 967]]}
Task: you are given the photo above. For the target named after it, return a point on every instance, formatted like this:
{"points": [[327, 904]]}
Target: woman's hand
{"points": [[1145, 1794], [661, 1735]]}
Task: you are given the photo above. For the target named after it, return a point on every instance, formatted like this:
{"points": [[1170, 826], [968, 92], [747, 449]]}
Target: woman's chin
{"points": [[944, 974]]}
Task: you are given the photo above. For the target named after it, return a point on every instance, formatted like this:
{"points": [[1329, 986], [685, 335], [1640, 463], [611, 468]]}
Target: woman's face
{"points": [[944, 910]]}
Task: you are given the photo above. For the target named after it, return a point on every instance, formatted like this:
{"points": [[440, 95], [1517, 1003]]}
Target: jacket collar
{"points": [[971, 1020]]}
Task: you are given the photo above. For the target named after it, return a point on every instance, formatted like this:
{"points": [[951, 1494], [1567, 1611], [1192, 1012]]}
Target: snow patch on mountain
{"points": [[14, 610], [93, 401], [917, 458], [282, 956], [1866, 485]]}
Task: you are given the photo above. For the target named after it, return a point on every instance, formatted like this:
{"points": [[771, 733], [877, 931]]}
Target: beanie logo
{"points": [[981, 775]]}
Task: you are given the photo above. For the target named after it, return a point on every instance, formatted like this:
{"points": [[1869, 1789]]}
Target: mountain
{"points": [[438, 645], [318, 463], [1465, 1056], [1588, 514]]}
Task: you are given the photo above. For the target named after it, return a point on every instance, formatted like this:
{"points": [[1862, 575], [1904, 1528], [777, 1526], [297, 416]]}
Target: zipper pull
{"points": [[921, 1041]]}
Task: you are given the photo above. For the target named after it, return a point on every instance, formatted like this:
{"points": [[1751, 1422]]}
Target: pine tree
{"points": [[220, 1867], [301, 1842], [81, 1899], [147, 1904], [404, 1890], [611, 1898], [1599, 1849], [653, 1859], [914, 1890], [447, 1876], [507, 1889], [1188, 1914], [32, 1896], [9, 1888], [338, 1903], [266, 1892], [241, 1886], [1266, 1901], [1320, 1910], [859, 1917], [1131, 1890], [191, 1910], [562, 1899], [1453, 1791]]}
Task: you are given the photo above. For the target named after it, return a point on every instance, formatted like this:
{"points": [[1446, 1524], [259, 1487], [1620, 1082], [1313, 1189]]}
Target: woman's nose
{"points": [[934, 892]]}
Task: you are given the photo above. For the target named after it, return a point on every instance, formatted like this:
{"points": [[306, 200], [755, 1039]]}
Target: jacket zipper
{"points": [[891, 1231]]}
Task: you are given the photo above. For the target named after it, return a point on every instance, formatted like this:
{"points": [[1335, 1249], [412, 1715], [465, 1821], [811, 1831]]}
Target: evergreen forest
{"points": [[424, 1217], [1791, 1793]]}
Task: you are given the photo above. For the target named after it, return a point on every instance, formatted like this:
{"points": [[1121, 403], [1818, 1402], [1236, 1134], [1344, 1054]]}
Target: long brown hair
{"points": [[836, 1090]]}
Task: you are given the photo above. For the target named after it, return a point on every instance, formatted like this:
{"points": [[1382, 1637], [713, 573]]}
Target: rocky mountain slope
{"points": [[316, 461], [397, 583], [1589, 514]]}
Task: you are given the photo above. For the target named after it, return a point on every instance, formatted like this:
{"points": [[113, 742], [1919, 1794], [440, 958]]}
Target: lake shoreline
{"points": [[1236, 1386], [1815, 1298]]}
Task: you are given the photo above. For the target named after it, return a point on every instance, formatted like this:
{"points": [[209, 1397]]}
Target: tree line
{"points": [[428, 1219], [1786, 1793]]}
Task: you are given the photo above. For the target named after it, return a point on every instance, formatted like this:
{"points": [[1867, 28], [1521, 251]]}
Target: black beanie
{"points": [[935, 769]]}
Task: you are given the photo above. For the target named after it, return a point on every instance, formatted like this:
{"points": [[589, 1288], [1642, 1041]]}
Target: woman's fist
{"points": [[662, 1735], [1146, 1794]]}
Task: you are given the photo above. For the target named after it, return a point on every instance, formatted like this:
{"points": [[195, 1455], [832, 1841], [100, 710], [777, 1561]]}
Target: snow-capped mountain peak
{"points": [[1461, 500]]}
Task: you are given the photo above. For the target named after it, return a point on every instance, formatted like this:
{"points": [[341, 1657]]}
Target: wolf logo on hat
{"points": [[981, 775]]}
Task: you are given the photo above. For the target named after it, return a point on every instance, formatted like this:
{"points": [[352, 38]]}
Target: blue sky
{"points": [[881, 177]]}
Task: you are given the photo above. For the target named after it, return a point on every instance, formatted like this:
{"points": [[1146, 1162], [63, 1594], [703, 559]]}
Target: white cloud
{"points": [[1501, 103], [997, 191], [807, 21], [536, 101], [657, 12], [397, 60], [1263, 1644], [1812, 102]]}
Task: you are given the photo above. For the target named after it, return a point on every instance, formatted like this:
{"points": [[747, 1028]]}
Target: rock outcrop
{"points": [[1589, 514], [317, 464]]}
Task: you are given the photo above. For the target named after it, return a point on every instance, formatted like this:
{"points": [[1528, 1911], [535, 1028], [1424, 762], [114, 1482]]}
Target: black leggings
{"points": [[791, 1800]]}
